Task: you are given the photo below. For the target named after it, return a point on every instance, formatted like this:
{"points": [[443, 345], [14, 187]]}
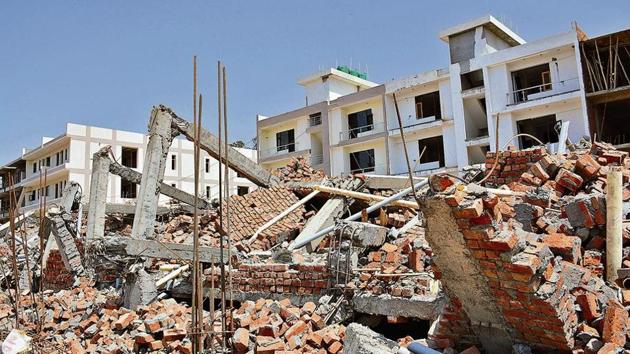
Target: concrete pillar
{"points": [[160, 139], [614, 219], [98, 195]]}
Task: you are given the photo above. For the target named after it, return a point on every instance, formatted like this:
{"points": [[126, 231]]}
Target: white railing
{"points": [[541, 91], [359, 132], [279, 150], [379, 169], [410, 122], [315, 120], [317, 159]]}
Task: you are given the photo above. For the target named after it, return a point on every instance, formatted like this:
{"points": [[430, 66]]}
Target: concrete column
{"points": [[160, 139], [459, 117], [614, 217], [98, 195]]}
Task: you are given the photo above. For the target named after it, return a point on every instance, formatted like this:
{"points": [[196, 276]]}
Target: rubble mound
{"points": [[299, 170]]}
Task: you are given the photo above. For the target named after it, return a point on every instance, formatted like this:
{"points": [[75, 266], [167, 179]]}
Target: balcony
{"points": [[314, 120], [362, 131], [376, 169], [542, 91], [278, 150], [317, 159]]}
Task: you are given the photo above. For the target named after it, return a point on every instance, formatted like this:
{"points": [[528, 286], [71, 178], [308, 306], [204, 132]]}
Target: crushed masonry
{"points": [[512, 265]]}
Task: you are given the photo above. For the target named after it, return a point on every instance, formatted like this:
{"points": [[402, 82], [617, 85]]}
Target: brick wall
{"points": [[299, 279], [512, 164]]}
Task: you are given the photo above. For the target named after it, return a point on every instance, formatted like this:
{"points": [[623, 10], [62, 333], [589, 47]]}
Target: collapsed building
{"points": [[507, 260]]}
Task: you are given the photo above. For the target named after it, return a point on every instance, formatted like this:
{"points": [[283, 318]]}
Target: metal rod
{"points": [[404, 144], [357, 215], [196, 339], [16, 275], [220, 103], [227, 194]]}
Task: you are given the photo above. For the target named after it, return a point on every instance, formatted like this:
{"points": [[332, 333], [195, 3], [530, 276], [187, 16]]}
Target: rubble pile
{"points": [[268, 327], [299, 170], [534, 270]]}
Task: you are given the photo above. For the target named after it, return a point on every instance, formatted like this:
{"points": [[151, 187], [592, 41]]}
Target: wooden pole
{"points": [[614, 222]]}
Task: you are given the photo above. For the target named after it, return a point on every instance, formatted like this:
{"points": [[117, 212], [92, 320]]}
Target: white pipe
{"points": [[614, 217], [282, 215], [171, 275], [356, 216]]}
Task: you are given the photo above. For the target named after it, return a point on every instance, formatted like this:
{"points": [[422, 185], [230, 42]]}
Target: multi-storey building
{"points": [[68, 157], [494, 79]]}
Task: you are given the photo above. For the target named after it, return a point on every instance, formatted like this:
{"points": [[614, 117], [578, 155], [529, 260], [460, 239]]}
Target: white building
{"points": [[68, 157], [350, 124]]}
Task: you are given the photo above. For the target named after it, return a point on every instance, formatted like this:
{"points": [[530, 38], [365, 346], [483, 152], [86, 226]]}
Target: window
{"points": [[34, 167], [129, 157], [428, 105], [48, 161], [207, 165], [32, 196], [362, 161], [65, 155], [285, 140], [127, 189], [242, 190], [530, 81], [208, 190], [173, 162], [47, 189], [542, 127], [360, 122], [434, 151], [56, 190], [315, 119], [57, 159]]}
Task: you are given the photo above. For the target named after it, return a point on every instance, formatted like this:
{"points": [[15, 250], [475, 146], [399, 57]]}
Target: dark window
{"points": [[129, 157], [434, 150], [32, 196], [530, 81], [47, 189], [128, 189], [362, 161], [315, 119], [542, 128], [428, 105], [472, 79], [56, 190], [57, 159], [173, 162], [34, 167], [242, 190], [207, 165], [360, 122], [207, 192], [65, 155], [48, 161], [285, 140]]}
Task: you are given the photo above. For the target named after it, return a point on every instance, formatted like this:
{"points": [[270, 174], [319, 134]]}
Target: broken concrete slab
{"points": [[363, 234], [361, 339], [326, 217], [426, 307]]}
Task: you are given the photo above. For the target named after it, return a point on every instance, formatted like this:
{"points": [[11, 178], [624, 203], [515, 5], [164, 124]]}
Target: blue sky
{"points": [[106, 63]]}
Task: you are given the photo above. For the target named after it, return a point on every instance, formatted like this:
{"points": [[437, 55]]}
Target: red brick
{"points": [[615, 322], [588, 304]]}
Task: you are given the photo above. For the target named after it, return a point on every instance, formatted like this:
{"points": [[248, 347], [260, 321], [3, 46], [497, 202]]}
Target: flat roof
{"points": [[488, 21], [338, 74]]}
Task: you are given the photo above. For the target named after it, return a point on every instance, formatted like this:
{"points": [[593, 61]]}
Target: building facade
{"points": [[495, 86], [68, 157]]}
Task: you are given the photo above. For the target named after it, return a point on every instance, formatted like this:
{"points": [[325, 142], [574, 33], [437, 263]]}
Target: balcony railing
{"points": [[279, 150], [411, 122], [315, 120], [542, 91], [359, 132], [366, 170], [317, 159]]}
